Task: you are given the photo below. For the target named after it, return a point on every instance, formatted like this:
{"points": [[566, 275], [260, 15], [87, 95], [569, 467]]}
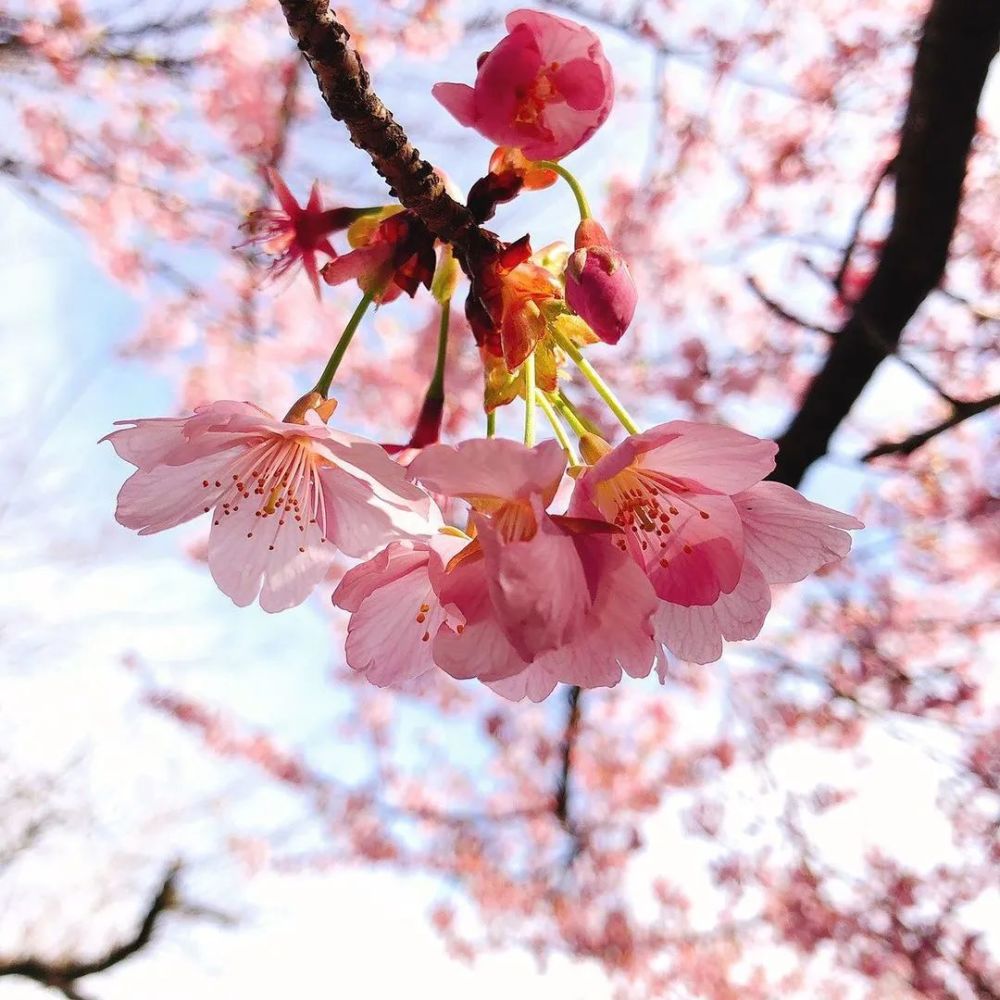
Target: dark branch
{"points": [[782, 313], [959, 41], [346, 88], [63, 976], [859, 219], [960, 413]]}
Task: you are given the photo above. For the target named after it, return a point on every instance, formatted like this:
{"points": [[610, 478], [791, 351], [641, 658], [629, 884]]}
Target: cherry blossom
{"points": [[670, 490], [285, 495], [543, 598], [786, 537], [545, 88]]}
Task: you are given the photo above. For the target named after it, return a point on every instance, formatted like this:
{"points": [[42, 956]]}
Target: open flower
{"points": [[599, 285], [284, 494], [542, 598], [671, 492], [292, 234], [786, 537], [393, 253], [545, 88]]}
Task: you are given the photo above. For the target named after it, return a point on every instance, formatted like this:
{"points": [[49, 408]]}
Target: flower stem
{"points": [[436, 388], [491, 423], [529, 400], [581, 198], [326, 379], [590, 374], [557, 428], [568, 412]]}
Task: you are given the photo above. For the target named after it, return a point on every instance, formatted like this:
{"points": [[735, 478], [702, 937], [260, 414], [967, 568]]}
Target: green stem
{"points": [[557, 428], [326, 379], [590, 374], [436, 389], [529, 400], [491, 423], [581, 198], [568, 412]]}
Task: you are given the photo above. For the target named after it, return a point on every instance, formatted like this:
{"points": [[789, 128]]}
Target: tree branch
{"points": [[346, 88], [960, 413], [63, 976], [959, 41]]}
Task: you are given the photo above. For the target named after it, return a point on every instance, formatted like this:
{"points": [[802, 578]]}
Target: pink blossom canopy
{"points": [[545, 88]]}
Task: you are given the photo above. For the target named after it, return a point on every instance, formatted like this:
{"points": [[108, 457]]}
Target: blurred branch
{"points": [[960, 413], [782, 313], [859, 220], [960, 39], [63, 976]]}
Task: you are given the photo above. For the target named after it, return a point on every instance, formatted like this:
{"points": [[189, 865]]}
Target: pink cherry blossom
{"points": [[545, 88], [292, 234], [285, 495], [671, 491], [599, 285], [395, 609], [542, 598], [786, 537]]}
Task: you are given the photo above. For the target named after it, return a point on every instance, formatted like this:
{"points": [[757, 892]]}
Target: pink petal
{"points": [[787, 536], [490, 467], [284, 196], [389, 635], [558, 39], [358, 520], [706, 457], [245, 552], [535, 684], [168, 495], [696, 633], [584, 84], [703, 556], [147, 442], [459, 100], [393, 562], [538, 587]]}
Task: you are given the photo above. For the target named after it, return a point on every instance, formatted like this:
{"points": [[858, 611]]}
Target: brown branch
{"points": [[782, 313], [960, 413], [859, 219], [346, 88], [960, 39], [63, 976]]}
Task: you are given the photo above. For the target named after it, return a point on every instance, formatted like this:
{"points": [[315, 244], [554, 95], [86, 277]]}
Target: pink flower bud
{"points": [[599, 286]]}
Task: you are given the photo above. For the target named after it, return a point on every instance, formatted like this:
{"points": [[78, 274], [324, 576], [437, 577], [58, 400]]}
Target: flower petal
{"points": [[787, 536], [696, 633], [490, 467]]}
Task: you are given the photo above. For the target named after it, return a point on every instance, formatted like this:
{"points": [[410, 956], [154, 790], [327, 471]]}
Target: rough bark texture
{"points": [[960, 39], [346, 88]]}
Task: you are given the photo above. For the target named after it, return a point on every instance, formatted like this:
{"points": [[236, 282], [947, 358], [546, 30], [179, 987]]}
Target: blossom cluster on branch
{"points": [[670, 539]]}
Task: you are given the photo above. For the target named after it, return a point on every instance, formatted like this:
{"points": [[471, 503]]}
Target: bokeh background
{"points": [[814, 815]]}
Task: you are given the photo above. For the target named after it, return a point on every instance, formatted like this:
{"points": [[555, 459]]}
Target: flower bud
{"points": [[599, 286]]}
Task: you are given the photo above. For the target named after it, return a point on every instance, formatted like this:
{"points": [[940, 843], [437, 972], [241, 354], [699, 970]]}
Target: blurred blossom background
{"points": [[202, 800]]}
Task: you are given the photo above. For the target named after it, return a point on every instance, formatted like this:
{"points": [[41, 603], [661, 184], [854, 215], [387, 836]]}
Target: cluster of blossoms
{"points": [[671, 540]]}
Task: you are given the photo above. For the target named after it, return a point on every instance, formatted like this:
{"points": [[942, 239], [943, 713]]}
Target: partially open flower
{"points": [[599, 285], [545, 88], [284, 494]]}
